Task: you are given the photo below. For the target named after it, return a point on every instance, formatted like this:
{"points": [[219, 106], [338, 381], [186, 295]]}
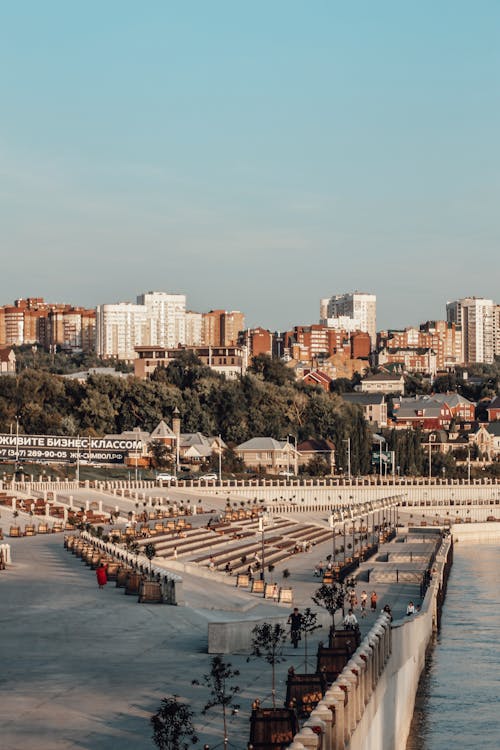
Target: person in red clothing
{"points": [[102, 577]]}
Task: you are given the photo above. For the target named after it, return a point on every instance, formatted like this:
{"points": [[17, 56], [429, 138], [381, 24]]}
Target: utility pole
{"points": [[348, 441]]}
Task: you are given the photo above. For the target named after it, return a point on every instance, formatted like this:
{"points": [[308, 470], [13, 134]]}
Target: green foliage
{"points": [[331, 597], [161, 454], [267, 643], [173, 725], [271, 370], [308, 624], [221, 691]]}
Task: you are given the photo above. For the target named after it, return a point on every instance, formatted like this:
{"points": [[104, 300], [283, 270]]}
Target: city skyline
{"points": [[256, 158]]}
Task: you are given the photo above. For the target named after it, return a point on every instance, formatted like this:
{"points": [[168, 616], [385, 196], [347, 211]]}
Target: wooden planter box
{"points": [[150, 592], [305, 691], [112, 570], [273, 728], [257, 586], [133, 583], [121, 577], [349, 640], [331, 661], [242, 580]]}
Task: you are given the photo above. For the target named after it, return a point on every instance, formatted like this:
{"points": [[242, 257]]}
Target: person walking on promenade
{"points": [[363, 599], [410, 609], [101, 575], [295, 622], [373, 601]]}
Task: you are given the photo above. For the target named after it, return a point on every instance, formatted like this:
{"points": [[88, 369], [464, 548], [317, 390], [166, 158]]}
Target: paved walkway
{"points": [[86, 668]]}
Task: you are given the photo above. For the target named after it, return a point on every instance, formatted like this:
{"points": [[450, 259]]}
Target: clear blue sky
{"points": [[256, 156]]}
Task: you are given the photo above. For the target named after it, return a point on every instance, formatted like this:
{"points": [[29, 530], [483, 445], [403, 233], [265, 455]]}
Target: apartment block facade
{"points": [[34, 321], [351, 311], [476, 316]]}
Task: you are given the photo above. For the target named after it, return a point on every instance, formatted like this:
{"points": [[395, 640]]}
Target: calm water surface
{"points": [[458, 705]]}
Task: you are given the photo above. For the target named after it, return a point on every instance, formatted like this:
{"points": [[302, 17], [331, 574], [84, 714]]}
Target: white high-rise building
{"points": [[120, 328], [476, 316], [168, 317], [358, 307], [194, 328]]}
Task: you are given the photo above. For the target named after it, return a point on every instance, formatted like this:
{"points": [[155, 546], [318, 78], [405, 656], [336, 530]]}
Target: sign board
{"points": [[66, 449]]}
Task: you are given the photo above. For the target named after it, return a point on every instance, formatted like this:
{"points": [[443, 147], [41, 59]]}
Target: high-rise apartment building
{"points": [[476, 316], [194, 328], [120, 328], [34, 321], [352, 311], [221, 328], [167, 313]]}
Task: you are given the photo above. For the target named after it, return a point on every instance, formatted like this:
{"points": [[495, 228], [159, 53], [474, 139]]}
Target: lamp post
{"points": [[331, 521], [17, 447], [348, 441], [262, 522], [220, 459]]}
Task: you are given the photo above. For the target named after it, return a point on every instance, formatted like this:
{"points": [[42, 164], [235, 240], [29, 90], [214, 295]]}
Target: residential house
{"points": [[382, 382], [311, 449], [268, 454], [374, 406]]}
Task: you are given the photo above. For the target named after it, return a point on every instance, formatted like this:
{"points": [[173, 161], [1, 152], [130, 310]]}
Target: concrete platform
{"points": [[86, 668]]}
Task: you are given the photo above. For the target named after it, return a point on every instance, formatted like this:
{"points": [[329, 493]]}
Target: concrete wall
{"points": [[235, 636], [476, 533], [370, 705]]}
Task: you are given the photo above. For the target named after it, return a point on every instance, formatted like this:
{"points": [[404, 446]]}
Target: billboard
{"points": [[64, 449], [385, 457]]}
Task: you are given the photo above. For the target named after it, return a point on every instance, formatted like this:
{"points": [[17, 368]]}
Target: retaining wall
{"points": [[370, 705]]}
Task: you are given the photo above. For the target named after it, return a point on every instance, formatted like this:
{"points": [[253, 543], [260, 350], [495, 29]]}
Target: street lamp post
{"points": [[348, 441], [220, 459], [331, 521], [17, 446]]}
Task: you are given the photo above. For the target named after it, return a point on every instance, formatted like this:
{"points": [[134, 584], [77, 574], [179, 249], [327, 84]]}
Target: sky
{"points": [[254, 156]]}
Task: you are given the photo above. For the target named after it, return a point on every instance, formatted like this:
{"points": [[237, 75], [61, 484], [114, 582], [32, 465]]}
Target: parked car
{"points": [[209, 477], [166, 478]]}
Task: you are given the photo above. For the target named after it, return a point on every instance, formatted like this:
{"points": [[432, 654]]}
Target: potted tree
{"points": [[305, 690], [173, 727], [150, 590], [221, 691], [266, 723]]}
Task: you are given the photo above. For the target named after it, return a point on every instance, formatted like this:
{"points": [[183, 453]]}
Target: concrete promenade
{"points": [[85, 668]]}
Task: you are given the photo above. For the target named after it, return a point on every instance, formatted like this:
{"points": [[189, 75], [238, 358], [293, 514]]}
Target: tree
{"points": [[330, 597], [271, 370], [161, 454], [308, 624], [150, 552], [267, 643], [173, 725], [221, 692]]}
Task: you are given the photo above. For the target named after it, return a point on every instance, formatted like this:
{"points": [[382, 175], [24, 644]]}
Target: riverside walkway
{"points": [[86, 668]]}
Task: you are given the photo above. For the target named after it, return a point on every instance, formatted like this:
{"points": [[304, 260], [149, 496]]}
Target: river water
{"points": [[458, 701]]}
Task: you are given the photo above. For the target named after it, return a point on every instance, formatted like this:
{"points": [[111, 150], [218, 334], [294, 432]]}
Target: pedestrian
{"points": [[295, 622], [211, 564], [250, 572], [175, 553], [353, 598], [388, 610], [227, 567], [351, 621], [321, 568], [410, 609], [101, 575], [363, 599], [373, 601]]}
